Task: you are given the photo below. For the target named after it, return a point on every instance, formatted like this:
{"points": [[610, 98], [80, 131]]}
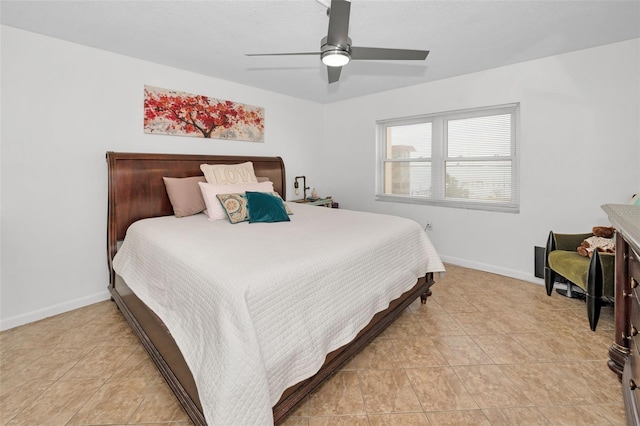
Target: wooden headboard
{"points": [[137, 191]]}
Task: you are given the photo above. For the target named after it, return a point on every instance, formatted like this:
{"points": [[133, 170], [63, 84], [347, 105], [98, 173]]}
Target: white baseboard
{"points": [[50, 311], [513, 273]]}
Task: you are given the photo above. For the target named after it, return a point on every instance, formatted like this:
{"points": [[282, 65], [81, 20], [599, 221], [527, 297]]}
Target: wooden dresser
{"points": [[624, 354]]}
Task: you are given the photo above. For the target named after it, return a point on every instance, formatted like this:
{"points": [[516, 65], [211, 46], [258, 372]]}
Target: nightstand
{"points": [[325, 202]]}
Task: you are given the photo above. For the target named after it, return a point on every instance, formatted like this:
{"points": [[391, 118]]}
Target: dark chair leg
{"points": [[549, 279], [594, 290], [549, 274], [593, 311]]}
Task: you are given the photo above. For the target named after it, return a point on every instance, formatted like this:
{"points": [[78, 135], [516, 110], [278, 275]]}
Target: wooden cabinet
{"points": [[631, 371], [624, 354]]}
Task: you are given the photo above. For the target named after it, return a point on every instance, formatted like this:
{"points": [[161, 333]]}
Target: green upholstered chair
{"points": [[595, 275]]}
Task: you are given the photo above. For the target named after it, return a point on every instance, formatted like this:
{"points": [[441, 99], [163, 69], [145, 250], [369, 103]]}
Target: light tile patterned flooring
{"points": [[484, 350]]}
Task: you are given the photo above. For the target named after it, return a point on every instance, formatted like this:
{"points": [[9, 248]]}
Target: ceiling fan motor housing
{"points": [[335, 55]]}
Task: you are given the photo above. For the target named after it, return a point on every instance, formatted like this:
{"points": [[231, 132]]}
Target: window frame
{"points": [[439, 158]]}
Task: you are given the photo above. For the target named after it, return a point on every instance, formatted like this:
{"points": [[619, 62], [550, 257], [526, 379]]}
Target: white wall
{"points": [[63, 106], [579, 147]]}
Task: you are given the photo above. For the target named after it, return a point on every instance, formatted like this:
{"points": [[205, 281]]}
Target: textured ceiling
{"points": [[211, 37]]}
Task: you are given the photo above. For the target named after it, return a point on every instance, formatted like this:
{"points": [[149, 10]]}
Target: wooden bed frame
{"points": [[136, 191]]}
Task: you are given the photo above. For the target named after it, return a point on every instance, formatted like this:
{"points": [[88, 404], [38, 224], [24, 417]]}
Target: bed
{"points": [[136, 191]]}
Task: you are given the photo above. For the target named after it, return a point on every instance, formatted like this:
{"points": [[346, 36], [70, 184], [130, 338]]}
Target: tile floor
{"points": [[484, 350]]}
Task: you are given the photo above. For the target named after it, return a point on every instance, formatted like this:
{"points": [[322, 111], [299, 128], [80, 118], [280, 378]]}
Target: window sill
{"points": [[471, 205]]}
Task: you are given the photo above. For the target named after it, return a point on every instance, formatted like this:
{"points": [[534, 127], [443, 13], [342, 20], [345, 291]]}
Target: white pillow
{"points": [[210, 190], [225, 174]]}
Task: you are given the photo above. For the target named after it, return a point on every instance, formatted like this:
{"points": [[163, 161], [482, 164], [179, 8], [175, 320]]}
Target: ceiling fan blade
{"points": [[282, 54], [338, 34], [334, 74], [375, 53]]}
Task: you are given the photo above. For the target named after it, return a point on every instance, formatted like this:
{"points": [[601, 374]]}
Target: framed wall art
{"points": [[169, 112]]}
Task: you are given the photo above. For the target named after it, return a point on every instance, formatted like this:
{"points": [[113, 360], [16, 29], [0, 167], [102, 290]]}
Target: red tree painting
{"points": [[176, 113]]}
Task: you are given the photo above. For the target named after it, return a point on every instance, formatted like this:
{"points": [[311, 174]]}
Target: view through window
{"points": [[460, 159]]}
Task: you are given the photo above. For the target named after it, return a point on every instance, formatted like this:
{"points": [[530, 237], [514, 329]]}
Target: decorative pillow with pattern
{"points": [[235, 206]]}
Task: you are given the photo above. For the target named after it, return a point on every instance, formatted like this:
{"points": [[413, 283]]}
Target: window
{"points": [[463, 159]]}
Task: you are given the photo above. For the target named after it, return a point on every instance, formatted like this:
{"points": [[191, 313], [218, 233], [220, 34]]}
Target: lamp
{"points": [[335, 58], [304, 186]]}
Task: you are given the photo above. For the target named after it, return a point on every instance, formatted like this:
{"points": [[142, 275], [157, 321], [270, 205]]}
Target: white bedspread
{"points": [[255, 308]]}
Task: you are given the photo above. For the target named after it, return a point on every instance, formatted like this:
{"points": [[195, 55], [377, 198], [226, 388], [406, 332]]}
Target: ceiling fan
{"points": [[336, 49]]}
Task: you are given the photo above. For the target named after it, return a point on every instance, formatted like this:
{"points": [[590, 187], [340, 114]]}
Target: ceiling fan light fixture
{"points": [[335, 58]]}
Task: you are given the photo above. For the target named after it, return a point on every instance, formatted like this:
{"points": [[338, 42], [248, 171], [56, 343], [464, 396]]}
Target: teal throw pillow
{"points": [[264, 207]]}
